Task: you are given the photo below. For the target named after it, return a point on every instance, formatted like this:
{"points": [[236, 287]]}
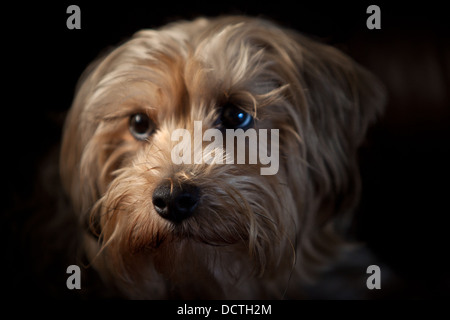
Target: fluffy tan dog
{"points": [[156, 229]]}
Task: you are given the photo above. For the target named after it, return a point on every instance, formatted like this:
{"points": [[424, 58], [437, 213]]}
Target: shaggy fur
{"points": [[252, 236]]}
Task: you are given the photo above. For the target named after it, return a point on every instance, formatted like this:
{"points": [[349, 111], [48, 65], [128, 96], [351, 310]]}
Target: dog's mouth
{"points": [[211, 225]]}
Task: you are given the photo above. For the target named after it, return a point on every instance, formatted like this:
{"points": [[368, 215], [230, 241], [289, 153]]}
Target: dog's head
{"points": [[216, 228]]}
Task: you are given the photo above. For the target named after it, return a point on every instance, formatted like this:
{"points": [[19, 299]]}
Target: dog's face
{"points": [[159, 228]]}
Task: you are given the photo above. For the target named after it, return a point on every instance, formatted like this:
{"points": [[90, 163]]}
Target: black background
{"points": [[404, 215]]}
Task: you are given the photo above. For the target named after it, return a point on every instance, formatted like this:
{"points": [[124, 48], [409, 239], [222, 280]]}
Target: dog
{"points": [[155, 229]]}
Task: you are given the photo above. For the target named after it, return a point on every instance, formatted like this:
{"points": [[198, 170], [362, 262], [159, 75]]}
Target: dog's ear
{"points": [[342, 100], [343, 97], [76, 134]]}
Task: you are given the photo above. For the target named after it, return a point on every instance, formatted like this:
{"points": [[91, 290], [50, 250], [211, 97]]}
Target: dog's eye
{"points": [[234, 118], [141, 127]]}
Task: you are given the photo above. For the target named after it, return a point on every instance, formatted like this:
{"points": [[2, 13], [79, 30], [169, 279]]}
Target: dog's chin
{"points": [[185, 263], [189, 269]]}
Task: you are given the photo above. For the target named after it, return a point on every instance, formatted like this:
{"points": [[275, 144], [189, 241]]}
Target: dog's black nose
{"points": [[175, 202]]}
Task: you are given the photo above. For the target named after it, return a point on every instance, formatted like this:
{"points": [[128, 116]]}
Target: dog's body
{"points": [[239, 234]]}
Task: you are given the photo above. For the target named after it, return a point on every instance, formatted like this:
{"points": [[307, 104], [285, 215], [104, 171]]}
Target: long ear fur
{"points": [[343, 99], [75, 138]]}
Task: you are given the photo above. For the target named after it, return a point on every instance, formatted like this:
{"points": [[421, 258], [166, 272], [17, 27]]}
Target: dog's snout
{"points": [[175, 202]]}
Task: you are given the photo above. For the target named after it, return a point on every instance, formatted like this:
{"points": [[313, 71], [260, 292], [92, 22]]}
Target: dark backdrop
{"points": [[404, 212]]}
